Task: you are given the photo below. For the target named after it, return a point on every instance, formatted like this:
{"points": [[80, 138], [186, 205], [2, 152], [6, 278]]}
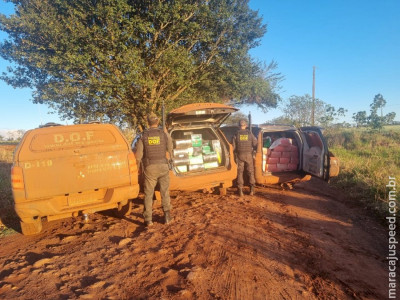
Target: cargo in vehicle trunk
{"points": [[197, 149], [202, 156]]}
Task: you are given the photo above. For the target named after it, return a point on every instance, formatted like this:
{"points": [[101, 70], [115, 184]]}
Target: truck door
{"points": [[316, 159]]}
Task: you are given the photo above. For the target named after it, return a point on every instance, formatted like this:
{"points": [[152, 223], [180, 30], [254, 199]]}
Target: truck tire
{"points": [[124, 211], [31, 227]]}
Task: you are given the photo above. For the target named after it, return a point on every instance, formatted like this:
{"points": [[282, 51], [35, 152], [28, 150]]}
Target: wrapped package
{"points": [[284, 160], [196, 167], [265, 150], [282, 148], [197, 140], [287, 154], [180, 152], [181, 169], [206, 149], [275, 154], [206, 143], [181, 161], [196, 160], [273, 160], [272, 168], [281, 142], [210, 157], [182, 144], [292, 167], [210, 165], [282, 167], [216, 147], [197, 151]]}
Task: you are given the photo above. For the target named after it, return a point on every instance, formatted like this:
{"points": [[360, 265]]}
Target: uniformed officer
{"points": [[244, 142], [151, 149]]}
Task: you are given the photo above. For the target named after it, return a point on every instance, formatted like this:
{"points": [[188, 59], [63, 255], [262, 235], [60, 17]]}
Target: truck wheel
{"points": [[31, 227], [124, 210]]}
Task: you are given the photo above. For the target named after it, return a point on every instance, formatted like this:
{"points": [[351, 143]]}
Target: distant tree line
{"points": [[376, 119]]}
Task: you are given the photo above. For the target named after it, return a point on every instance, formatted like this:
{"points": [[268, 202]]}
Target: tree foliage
{"points": [[298, 110], [117, 60], [234, 118], [375, 120]]}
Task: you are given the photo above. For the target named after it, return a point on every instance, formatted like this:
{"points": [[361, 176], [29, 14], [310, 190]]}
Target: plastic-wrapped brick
{"points": [[210, 157], [197, 151], [179, 152], [284, 160], [275, 154], [196, 160], [197, 140], [182, 144], [196, 167], [282, 167], [273, 160], [282, 148], [181, 169], [181, 161], [211, 165], [286, 154], [292, 167]]}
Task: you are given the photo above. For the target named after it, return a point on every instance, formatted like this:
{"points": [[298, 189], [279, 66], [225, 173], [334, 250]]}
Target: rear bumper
{"points": [[62, 206]]}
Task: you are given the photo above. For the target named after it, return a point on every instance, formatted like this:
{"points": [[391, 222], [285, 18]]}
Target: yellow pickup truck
{"points": [[63, 171]]}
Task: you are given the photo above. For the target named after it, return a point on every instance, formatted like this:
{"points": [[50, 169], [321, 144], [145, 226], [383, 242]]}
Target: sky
{"points": [[354, 46]]}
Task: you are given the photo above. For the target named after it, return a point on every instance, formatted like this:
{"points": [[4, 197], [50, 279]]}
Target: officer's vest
{"points": [[155, 146], [244, 142]]}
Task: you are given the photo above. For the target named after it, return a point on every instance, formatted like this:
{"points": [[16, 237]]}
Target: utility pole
{"points": [[313, 97]]}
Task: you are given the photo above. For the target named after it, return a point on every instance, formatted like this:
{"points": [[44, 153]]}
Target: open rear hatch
{"points": [[200, 113], [199, 146]]}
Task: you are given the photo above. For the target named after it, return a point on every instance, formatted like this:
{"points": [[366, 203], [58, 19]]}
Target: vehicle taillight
{"points": [[17, 178], [132, 163]]}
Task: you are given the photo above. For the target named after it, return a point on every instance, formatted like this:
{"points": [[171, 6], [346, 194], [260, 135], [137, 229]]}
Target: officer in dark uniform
{"points": [[151, 150], [244, 142]]}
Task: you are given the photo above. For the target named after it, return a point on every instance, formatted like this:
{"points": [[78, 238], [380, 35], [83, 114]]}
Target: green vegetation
{"points": [[374, 120], [116, 61], [7, 214], [367, 159]]}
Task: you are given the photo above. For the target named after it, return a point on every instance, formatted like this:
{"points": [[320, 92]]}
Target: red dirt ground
{"points": [[305, 243]]}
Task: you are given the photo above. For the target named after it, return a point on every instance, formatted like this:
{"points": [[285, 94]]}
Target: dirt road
{"points": [[306, 243]]}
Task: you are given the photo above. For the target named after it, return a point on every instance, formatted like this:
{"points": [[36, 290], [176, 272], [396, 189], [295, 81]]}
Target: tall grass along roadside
{"points": [[367, 159], [7, 214]]}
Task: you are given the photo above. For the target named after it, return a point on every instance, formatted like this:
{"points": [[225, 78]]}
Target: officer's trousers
{"points": [[153, 174]]}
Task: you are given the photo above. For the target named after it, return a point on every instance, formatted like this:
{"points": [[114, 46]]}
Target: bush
{"points": [[367, 159]]}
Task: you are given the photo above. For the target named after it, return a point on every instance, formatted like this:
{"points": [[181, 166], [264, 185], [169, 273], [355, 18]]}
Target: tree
{"points": [[298, 109], [118, 60], [389, 118], [360, 118], [379, 102], [234, 118], [331, 114]]}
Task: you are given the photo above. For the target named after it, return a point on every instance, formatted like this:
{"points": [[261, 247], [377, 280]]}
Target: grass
{"points": [[7, 214], [367, 159]]}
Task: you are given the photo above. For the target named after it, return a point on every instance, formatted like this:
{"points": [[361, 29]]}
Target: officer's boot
{"points": [[252, 190], [240, 192], [167, 217]]}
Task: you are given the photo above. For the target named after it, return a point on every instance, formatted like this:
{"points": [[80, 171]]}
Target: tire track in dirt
{"points": [[276, 245]]}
